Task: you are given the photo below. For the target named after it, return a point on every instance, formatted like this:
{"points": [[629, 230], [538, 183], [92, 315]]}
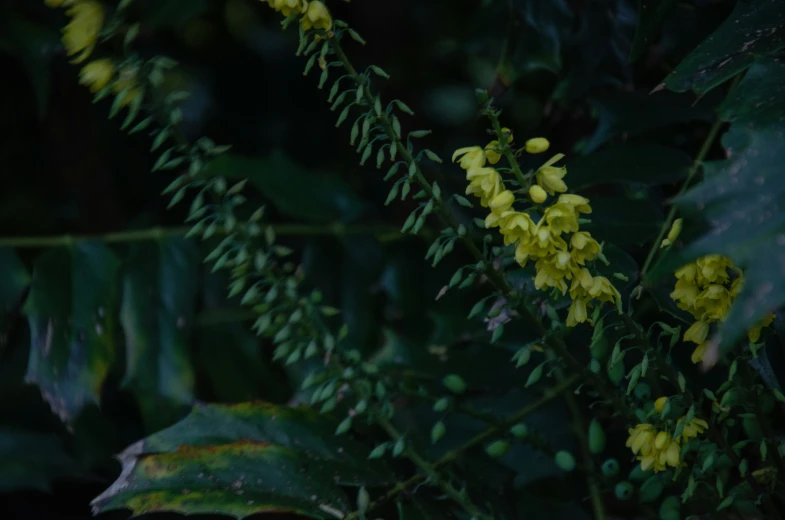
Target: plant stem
{"points": [[432, 474], [482, 437], [506, 150], [158, 233], [696, 165], [495, 276]]}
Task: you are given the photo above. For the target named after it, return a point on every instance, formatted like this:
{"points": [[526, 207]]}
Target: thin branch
{"points": [[382, 232]]}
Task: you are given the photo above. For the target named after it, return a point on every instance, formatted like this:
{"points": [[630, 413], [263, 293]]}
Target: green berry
{"points": [[642, 391], [624, 490], [596, 437], [497, 449], [610, 468], [565, 460], [454, 383], [520, 431]]}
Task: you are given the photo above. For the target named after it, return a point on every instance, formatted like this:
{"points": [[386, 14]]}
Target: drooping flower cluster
{"points": [[314, 13], [562, 253], [657, 450], [707, 289], [80, 37]]}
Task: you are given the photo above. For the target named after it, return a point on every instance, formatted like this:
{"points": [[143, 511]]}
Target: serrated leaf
{"points": [[157, 313], [72, 310], [753, 30], [239, 479]]}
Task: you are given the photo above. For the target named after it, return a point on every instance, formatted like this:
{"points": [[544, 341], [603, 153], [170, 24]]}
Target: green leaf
{"points": [[631, 113], [298, 428], [14, 279], [643, 164], [295, 191], [741, 199], [30, 43], [31, 460], [159, 293], [623, 220], [72, 310], [753, 30], [239, 479], [650, 17]]}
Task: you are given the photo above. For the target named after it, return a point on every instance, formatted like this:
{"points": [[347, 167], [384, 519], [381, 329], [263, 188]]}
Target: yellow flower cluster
{"points": [[314, 13], [80, 37], [561, 251], [658, 449], [706, 289]]}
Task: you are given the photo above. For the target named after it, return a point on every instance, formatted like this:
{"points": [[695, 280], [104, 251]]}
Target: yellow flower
{"points": [[552, 271], [697, 332], [583, 247], [700, 350], [754, 333], [714, 302], [287, 7], [577, 313], [471, 157], [316, 16], [641, 438], [581, 204], [500, 204], [736, 286], [657, 450], [550, 177], [485, 183], [542, 243], [97, 74], [659, 404], [537, 145], [713, 268], [516, 226], [692, 429], [673, 234], [537, 194], [561, 218], [492, 152], [602, 289], [81, 33], [684, 294], [507, 133]]}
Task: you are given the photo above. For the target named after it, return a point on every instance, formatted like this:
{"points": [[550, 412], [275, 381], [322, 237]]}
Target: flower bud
{"points": [[659, 404], [454, 383], [498, 448], [537, 145], [537, 194]]}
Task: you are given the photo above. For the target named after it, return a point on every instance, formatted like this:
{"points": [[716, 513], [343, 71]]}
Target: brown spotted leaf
{"points": [[238, 479], [299, 428]]}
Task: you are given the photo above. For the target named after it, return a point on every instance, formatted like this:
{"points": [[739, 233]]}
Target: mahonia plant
{"points": [[695, 435]]}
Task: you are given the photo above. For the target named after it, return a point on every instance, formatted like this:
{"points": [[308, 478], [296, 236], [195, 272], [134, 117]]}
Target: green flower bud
{"points": [[454, 383], [616, 372], [437, 432], [441, 405], [520, 431], [596, 437], [497, 449], [624, 490], [565, 460]]}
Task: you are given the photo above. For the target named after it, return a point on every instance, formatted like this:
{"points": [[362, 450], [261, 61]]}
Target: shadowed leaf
{"points": [[754, 29], [71, 310], [647, 164], [14, 279], [159, 294]]}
